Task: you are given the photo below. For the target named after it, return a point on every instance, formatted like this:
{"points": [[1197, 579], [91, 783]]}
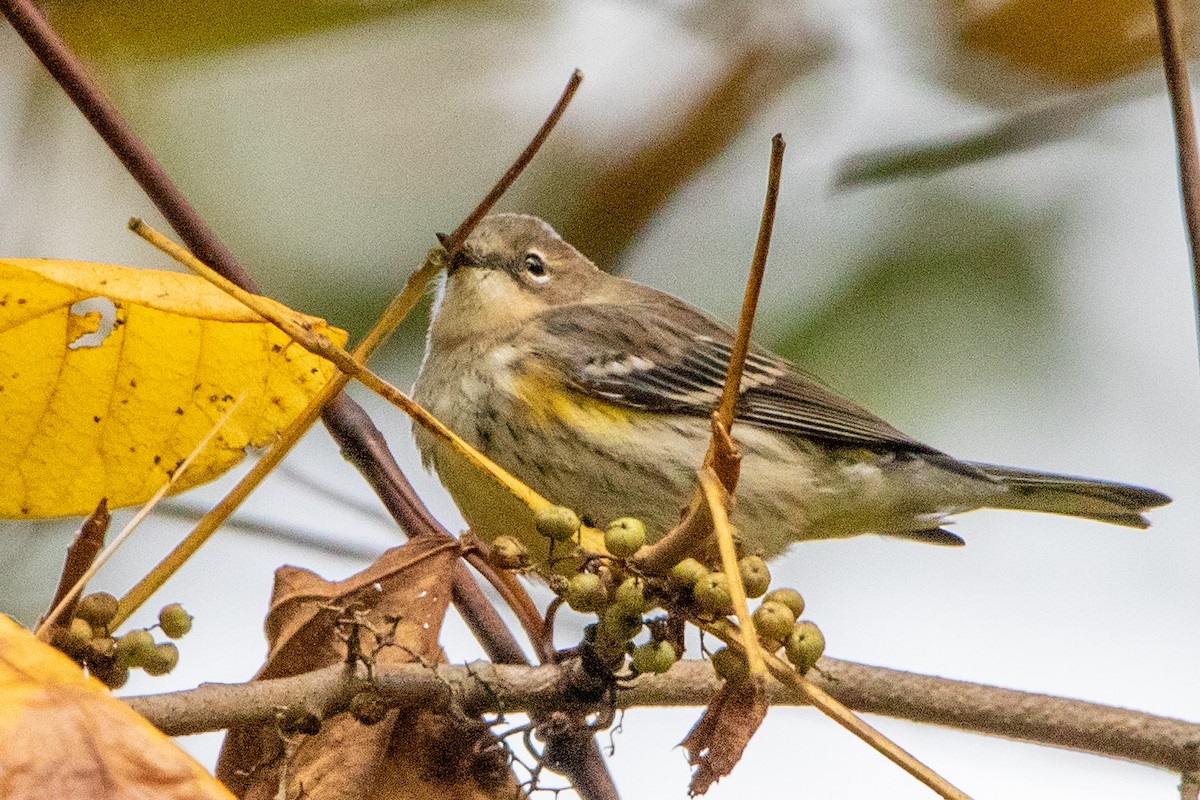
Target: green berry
{"points": [[103, 647], [161, 660], [686, 573], [133, 648], [712, 594], [774, 621], [109, 673], [79, 632], [730, 665], [789, 597], [97, 609], [509, 553], [586, 592], [174, 621], [654, 657], [557, 523], [755, 576], [631, 596], [804, 646], [369, 707], [624, 537], [619, 625]]}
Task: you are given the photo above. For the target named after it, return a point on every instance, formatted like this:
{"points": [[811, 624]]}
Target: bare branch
{"points": [[1178, 86], [1156, 741]]}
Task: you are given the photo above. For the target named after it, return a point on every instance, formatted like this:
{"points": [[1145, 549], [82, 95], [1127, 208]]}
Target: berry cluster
{"points": [[88, 640], [620, 596]]}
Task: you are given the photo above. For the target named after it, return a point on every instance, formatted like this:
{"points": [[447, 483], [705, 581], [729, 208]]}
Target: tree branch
{"points": [[1156, 741]]}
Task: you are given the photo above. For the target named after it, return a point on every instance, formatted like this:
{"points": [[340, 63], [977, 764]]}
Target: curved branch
{"points": [[1156, 741]]}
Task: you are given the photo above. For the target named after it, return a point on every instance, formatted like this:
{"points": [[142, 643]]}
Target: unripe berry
{"points": [[586, 592], [686, 573], [557, 522], [624, 537], [730, 665], [368, 707], [789, 597], [712, 594], [773, 621], [509, 553], [174, 621], [631, 596], [654, 657], [755, 576], [109, 673], [97, 609], [161, 660], [619, 625], [133, 648], [804, 646]]}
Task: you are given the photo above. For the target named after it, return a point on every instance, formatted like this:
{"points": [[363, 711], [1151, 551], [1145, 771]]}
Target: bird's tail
{"points": [[1118, 503]]}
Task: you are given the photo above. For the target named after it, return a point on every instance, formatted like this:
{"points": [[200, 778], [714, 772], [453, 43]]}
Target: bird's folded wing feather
{"points": [[668, 357]]}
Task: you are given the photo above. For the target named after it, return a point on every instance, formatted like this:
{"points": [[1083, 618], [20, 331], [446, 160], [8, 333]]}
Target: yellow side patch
{"points": [[551, 405]]}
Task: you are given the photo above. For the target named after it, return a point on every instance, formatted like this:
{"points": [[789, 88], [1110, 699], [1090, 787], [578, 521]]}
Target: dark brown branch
{"points": [[81, 554], [1163, 742], [460, 234], [67, 69], [1179, 88]]}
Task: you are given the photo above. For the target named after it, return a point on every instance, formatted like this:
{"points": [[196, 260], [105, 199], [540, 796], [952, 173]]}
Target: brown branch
{"points": [[347, 422], [1179, 88], [1156, 741], [723, 455], [133, 154], [81, 554], [758, 266], [460, 234]]}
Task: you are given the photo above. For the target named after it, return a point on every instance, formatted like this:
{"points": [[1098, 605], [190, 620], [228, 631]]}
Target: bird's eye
{"points": [[535, 266]]}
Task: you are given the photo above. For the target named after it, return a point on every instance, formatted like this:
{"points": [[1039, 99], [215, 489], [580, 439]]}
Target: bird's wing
{"points": [[668, 357]]}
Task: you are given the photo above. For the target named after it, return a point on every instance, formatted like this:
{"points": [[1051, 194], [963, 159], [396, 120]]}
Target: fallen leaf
{"points": [[112, 375], [63, 735], [412, 753], [715, 745]]}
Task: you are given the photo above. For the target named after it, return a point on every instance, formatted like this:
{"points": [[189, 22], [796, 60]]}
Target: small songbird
{"points": [[598, 392]]}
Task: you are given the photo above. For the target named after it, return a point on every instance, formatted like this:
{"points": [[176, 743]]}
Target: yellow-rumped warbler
{"points": [[597, 392]]}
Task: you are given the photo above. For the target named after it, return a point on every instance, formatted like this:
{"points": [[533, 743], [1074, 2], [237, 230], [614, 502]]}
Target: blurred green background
{"points": [[978, 238]]}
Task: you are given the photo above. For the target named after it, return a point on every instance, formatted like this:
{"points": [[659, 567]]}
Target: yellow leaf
{"points": [[63, 735], [110, 376]]}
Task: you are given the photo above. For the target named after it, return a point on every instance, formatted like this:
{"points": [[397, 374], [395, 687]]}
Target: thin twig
{"points": [[741, 345], [176, 476], [710, 484], [1179, 88], [459, 235], [831, 707], [81, 554]]}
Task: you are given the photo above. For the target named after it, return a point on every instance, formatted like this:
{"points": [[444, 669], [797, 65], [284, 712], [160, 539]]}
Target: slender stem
{"points": [[839, 713], [1179, 88], [741, 345], [133, 154], [459, 234], [713, 491]]}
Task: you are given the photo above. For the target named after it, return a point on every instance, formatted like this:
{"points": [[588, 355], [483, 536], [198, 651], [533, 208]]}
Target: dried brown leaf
{"points": [[715, 744], [412, 753]]}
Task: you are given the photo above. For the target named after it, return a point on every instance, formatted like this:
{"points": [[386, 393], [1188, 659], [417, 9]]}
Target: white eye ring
{"points": [[535, 267]]}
